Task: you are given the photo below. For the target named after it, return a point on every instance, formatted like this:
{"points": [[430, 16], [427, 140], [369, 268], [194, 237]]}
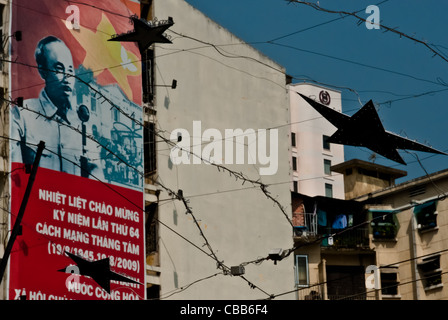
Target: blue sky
{"points": [[404, 78]]}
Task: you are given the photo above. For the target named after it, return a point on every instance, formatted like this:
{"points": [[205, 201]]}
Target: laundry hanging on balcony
{"points": [[321, 218], [340, 222]]}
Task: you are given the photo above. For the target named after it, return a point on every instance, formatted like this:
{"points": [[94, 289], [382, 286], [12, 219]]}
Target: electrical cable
{"points": [[237, 175], [392, 286], [185, 287], [360, 19], [333, 235], [220, 264], [350, 276], [342, 278], [321, 24], [354, 91], [217, 50], [270, 42], [262, 186]]}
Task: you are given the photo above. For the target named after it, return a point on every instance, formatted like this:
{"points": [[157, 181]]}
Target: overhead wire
{"points": [[400, 99], [321, 24], [220, 167], [336, 234], [401, 283], [238, 175], [259, 260], [226, 54], [179, 196], [394, 264], [361, 19], [220, 264], [216, 47], [392, 286], [196, 221], [301, 121], [217, 50], [185, 287]]}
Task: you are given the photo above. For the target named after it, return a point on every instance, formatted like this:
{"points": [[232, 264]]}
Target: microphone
{"points": [[84, 116]]}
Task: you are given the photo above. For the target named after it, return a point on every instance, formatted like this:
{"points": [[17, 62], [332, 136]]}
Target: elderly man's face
{"points": [[58, 82]]}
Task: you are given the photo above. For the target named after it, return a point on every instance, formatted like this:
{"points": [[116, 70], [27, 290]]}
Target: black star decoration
{"points": [[364, 129], [98, 270], [145, 33]]}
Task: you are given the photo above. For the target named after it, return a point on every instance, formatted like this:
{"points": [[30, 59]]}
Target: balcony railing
{"points": [[315, 292], [349, 238], [351, 297], [305, 224]]}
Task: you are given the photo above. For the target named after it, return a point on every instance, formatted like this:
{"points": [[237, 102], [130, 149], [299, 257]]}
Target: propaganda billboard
{"points": [[81, 95]]}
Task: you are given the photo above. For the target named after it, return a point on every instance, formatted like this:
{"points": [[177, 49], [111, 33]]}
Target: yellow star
{"points": [[103, 55]]}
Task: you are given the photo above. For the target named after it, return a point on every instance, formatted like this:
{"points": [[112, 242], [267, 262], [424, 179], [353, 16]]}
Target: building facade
{"points": [[216, 193], [385, 242], [311, 155], [409, 232], [226, 94]]}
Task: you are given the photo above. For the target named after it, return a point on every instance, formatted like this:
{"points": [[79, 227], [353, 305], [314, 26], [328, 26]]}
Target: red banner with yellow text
{"points": [[81, 95]]}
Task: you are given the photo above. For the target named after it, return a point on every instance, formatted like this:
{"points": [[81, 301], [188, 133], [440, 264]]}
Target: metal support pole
{"points": [[16, 228]]}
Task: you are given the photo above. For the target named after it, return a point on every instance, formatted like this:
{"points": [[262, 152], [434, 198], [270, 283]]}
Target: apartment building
{"points": [[216, 94], [311, 155], [387, 241]]}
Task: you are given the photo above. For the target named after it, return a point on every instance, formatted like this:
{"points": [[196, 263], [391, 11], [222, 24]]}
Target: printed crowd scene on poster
{"points": [[82, 97]]}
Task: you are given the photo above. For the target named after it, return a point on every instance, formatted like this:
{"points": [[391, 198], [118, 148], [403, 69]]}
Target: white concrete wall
{"points": [[310, 126], [239, 221]]}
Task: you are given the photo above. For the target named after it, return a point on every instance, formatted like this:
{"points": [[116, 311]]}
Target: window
{"points": [[148, 76], [417, 191], [295, 185], [326, 144], [150, 148], [327, 167], [2, 35], [115, 114], [151, 228], [302, 278], [293, 139], [431, 273], [384, 224], [294, 163], [426, 215], [346, 282], [146, 9], [153, 292], [389, 281], [93, 103], [2, 7], [328, 190]]}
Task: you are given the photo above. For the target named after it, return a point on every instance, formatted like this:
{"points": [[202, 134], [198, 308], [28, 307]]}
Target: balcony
{"points": [[351, 297], [318, 292], [305, 225], [314, 292], [345, 238]]}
